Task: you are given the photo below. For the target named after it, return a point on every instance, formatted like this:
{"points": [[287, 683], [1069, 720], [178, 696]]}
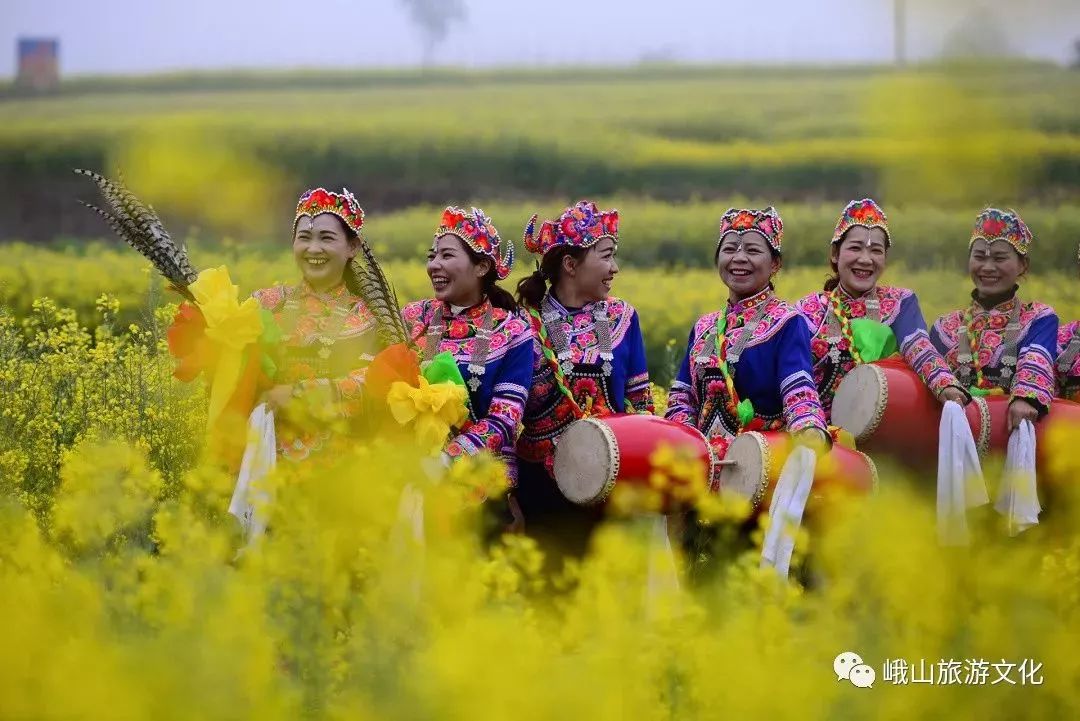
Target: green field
{"points": [[954, 138], [222, 157]]}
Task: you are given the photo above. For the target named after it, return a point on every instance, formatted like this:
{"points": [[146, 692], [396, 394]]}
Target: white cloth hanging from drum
{"points": [[960, 483], [786, 509], [250, 498], [1018, 499]]}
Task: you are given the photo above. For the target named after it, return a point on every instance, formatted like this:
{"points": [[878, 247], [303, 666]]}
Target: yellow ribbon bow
{"points": [[434, 407], [231, 326]]}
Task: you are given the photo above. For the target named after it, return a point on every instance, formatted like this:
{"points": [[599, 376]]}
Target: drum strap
{"points": [[968, 347], [1069, 355], [735, 352]]}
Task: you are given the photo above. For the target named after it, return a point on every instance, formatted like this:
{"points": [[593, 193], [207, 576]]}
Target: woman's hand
{"points": [[278, 397], [1021, 410], [815, 439], [952, 393]]}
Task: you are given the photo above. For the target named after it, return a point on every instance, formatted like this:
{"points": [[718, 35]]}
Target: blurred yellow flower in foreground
{"points": [[229, 322], [433, 407]]}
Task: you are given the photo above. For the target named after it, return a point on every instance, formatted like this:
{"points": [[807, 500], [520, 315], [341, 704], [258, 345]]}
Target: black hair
{"points": [[489, 284], [531, 289]]}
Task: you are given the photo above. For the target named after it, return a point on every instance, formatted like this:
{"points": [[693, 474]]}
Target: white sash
{"points": [[1017, 498], [249, 499], [786, 509], [960, 483]]}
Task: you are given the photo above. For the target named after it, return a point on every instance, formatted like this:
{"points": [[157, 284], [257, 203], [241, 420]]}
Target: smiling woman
{"points": [[854, 320], [999, 344], [747, 366], [329, 335], [590, 358], [476, 321]]}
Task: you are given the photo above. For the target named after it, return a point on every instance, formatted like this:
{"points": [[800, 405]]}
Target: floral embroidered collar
{"points": [[567, 310], [748, 304], [472, 312], [337, 293], [845, 294]]}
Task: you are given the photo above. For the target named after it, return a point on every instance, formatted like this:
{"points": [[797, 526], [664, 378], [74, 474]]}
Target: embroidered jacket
{"points": [[899, 309], [328, 341], [773, 371], [497, 401], [1068, 361], [624, 390], [1033, 378]]}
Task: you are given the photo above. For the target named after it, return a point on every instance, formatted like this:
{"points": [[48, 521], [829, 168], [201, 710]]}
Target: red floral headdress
{"points": [[993, 225], [863, 212], [742, 220], [581, 225], [318, 201], [476, 231]]}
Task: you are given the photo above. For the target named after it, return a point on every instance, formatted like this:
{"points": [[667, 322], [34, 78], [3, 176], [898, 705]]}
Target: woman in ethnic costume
{"points": [[476, 321], [855, 320], [589, 355], [1068, 360], [748, 366], [328, 334], [1000, 344]]}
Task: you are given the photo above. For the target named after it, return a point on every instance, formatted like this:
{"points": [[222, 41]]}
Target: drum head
{"points": [[860, 401], [748, 478], [586, 462]]}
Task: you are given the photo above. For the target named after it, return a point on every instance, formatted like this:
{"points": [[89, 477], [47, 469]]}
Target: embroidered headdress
{"points": [[863, 212], [318, 201], [581, 225], [475, 230], [743, 220], [993, 225]]}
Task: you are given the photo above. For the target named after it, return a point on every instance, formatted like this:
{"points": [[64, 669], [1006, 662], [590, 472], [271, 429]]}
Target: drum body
{"points": [[593, 455], [994, 426], [759, 458], [889, 410]]}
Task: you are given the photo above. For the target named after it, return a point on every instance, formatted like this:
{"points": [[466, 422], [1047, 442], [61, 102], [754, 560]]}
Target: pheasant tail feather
{"points": [[380, 297], [141, 228]]}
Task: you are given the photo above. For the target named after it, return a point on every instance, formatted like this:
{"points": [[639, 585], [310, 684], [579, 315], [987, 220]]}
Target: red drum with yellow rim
{"points": [[994, 423], [759, 457], [888, 409], [594, 455]]}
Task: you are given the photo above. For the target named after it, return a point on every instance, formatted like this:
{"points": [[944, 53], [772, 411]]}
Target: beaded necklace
{"points": [[1069, 353], [477, 365], [967, 357], [555, 345], [840, 324], [552, 319], [741, 410]]}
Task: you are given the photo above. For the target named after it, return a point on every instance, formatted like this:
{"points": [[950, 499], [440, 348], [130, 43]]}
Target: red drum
{"points": [[594, 455], [993, 431], [888, 409], [759, 458]]}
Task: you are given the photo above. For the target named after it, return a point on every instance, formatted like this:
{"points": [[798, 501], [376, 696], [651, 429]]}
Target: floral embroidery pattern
{"points": [[1034, 377], [915, 345]]}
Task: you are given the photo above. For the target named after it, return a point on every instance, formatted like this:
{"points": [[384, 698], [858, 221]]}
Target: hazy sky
{"points": [[139, 36]]}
